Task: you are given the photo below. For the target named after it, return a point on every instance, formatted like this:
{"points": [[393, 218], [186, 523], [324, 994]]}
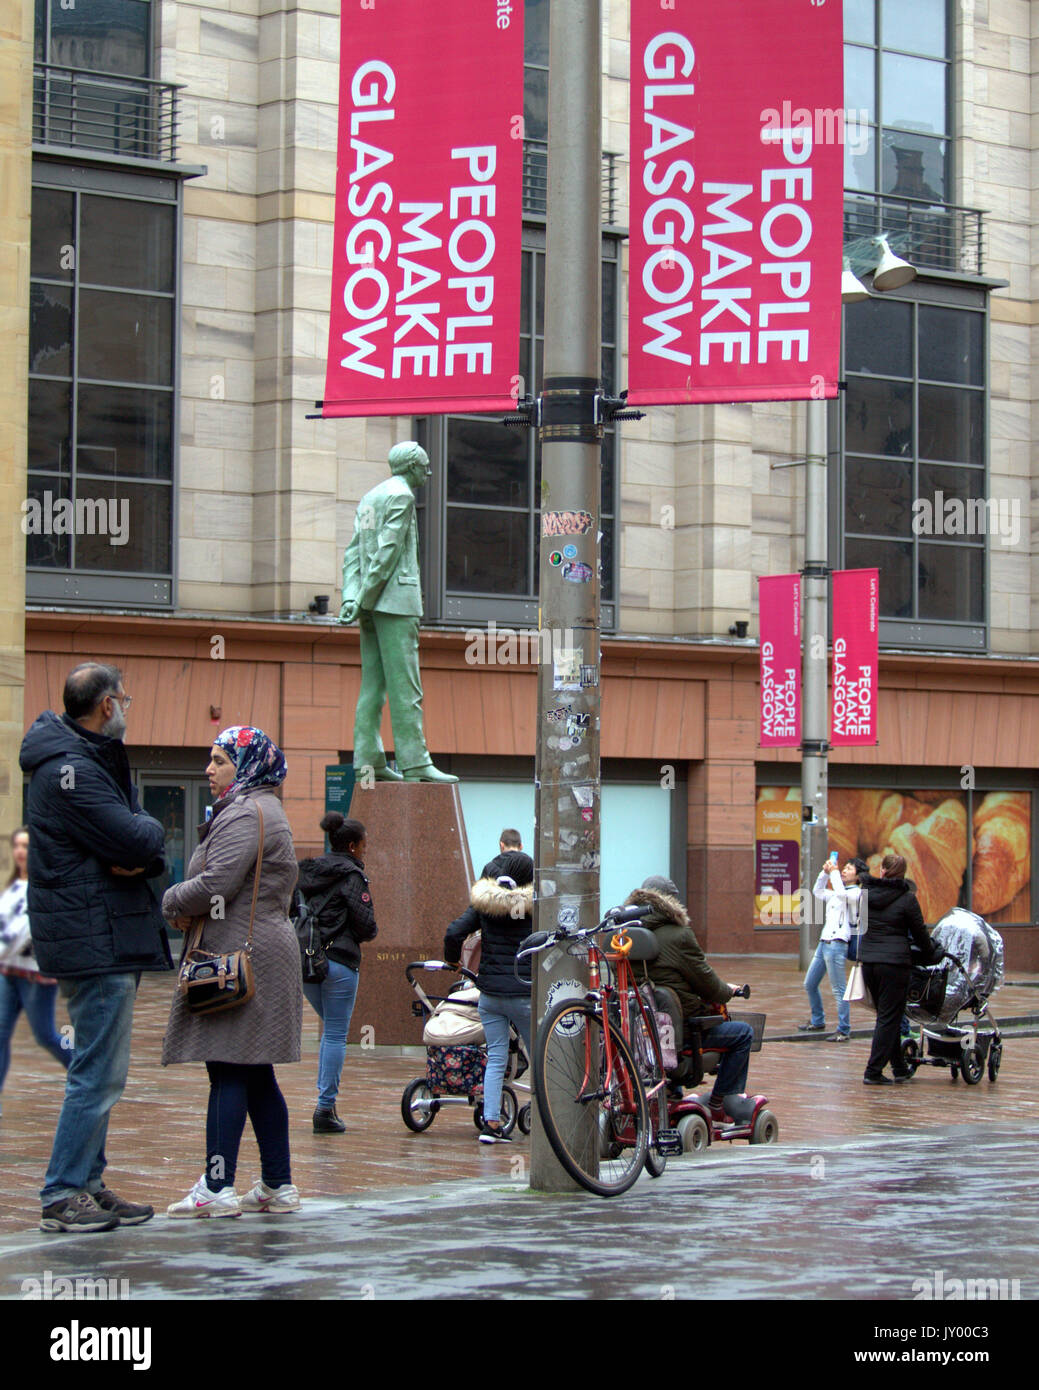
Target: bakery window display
{"points": [[929, 829]]}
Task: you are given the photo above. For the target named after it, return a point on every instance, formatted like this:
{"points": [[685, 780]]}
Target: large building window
{"points": [[102, 354], [896, 72], [914, 451], [482, 560]]}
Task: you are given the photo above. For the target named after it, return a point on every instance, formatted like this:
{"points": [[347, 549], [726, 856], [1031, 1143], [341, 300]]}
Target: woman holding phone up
{"points": [[841, 893]]}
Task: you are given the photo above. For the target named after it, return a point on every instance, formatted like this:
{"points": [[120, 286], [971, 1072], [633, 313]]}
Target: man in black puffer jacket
{"points": [[501, 911], [890, 918], [95, 924]]}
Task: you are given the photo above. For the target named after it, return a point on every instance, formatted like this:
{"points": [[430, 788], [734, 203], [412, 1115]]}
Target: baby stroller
{"points": [[970, 970], [456, 1056]]}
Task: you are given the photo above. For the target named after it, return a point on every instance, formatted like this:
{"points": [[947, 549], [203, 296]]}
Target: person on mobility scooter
{"points": [[682, 969]]}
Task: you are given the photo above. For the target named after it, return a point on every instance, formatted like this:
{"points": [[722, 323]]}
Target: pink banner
{"points": [[856, 621], [737, 155], [779, 616], [426, 257]]}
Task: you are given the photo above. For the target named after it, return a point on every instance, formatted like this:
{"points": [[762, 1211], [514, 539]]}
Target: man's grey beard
{"points": [[116, 726]]}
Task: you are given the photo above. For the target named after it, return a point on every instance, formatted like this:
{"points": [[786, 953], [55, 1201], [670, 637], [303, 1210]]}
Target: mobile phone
{"points": [[833, 856]]}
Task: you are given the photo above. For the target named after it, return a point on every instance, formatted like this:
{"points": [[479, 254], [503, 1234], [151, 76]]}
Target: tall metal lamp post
{"points": [[889, 273]]}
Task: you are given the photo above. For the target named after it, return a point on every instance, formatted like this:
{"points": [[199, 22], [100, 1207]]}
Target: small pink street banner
{"points": [[856, 622], [779, 616], [426, 258], [737, 156]]}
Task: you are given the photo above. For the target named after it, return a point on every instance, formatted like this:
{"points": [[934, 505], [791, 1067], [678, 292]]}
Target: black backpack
{"points": [[313, 961]]}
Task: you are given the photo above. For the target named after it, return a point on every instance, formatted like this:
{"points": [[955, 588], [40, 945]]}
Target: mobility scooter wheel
{"points": [[995, 1056], [972, 1065], [694, 1132], [910, 1056], [418, 1108], [523, 1119], [508, 1111], [766, 1128]]}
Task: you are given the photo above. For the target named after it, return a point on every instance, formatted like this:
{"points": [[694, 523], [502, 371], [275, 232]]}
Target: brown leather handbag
{"points": [[211, 983]]}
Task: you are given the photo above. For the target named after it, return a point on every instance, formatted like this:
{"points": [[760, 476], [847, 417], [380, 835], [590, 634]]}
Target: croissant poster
{"points": [[426, 252], [962, 849], [737, 135], [779, 617], [856, 621]]}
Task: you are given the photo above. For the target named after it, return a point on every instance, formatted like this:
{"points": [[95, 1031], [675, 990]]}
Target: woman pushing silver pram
{"points": [[970, 970]]}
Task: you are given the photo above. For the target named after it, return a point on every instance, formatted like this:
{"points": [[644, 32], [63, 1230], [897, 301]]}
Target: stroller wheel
{"points": [[910, 1055], [973, 1065], [508, 1111], [523, 1120], [995, 1056], [418, 1106]]}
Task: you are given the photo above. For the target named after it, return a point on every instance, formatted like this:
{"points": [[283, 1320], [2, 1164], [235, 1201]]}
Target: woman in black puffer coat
{"points": [[501, 911], [892, 919]]}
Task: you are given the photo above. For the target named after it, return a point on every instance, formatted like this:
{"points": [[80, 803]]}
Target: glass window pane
{"points": [[127, 243], [487, 551], [125, 433], [535, 31], [950, 345], [607, 455], [130, 524], [860, 156], [50, 330], [609, 306], [125, 337], [606, 367], [939, 485], [487, 463], [951, 424], [878, 418], [103, 36], [914, 166], [878, 497], [860, 23], [878, 337], [53, 256], [535, 104], [539, 294], [606, 562], [860, 81], [952, 581], [48, 538], [50, 426], [914, 93], [894, 559], [40, 31], [166, 804], [918, 27], [525, 326]]}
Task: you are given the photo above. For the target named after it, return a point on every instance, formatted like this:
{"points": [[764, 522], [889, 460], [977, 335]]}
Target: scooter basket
{"points": [[757, 1024]]}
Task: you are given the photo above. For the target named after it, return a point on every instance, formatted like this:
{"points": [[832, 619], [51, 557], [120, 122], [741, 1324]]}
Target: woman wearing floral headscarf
{"points": [[241, 1046]]}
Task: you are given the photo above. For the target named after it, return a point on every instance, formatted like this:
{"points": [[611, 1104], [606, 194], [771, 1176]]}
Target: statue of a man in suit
{"points": [[382, 593]]}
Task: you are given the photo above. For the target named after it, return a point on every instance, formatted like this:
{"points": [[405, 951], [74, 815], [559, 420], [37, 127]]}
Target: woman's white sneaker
{"points": [[272, 1199], [200, 1201]]}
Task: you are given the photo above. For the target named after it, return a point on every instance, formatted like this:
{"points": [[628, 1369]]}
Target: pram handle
{"points": [[436, 965]]}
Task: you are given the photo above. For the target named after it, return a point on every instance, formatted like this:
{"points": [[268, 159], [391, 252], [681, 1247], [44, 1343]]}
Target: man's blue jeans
{"points": [[829, 959], [497, 1011], [18, 992], [333, 1002], [101, 1013]]}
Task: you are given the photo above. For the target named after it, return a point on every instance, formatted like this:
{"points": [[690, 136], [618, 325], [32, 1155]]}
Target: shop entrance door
{"points": [[179, 805]]}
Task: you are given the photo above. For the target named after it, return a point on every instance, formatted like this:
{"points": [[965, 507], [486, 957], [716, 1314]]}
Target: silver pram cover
{"points": [[979, 949]]}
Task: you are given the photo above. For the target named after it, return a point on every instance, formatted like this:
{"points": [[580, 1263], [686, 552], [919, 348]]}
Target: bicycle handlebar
{"points": [[615, 917]]}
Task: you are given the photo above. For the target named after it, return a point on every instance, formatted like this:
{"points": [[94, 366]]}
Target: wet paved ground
{"points": [[867, 1190]]}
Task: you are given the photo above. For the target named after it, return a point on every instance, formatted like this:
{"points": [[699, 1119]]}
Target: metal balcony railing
{"points": [[133, 117], [933, 236], [535, 181]]}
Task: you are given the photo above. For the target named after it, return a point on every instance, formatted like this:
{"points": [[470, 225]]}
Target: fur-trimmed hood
{"points": [[665, 908], [490, 898]]}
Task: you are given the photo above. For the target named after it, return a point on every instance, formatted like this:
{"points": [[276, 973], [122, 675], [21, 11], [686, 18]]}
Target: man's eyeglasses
{"points": [[124, 701]]}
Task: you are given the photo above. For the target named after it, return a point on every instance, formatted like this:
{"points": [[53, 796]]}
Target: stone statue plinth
{"points": [[417, 862]]}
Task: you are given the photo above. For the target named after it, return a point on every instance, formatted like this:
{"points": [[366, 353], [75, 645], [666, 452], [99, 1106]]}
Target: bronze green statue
{"points": [[383, 594]]}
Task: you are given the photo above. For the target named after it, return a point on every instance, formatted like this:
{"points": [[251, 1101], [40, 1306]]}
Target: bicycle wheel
{"points": [[590, 1099], [645, 1050]]}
